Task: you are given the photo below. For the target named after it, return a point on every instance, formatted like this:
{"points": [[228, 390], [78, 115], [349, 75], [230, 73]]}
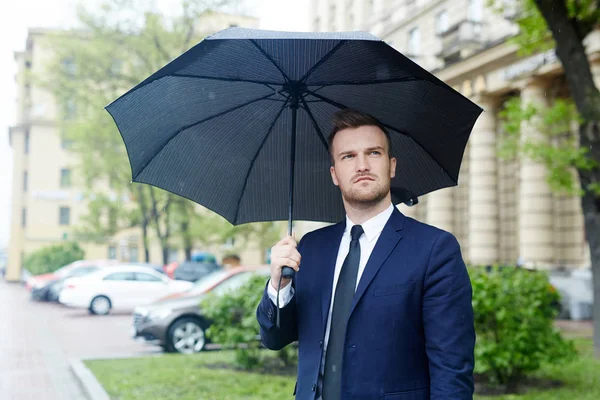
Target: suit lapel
{"points": [[331, 248], [389, 238]]}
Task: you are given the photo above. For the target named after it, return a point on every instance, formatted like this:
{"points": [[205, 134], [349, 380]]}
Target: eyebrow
{"points": [[343, 153]]}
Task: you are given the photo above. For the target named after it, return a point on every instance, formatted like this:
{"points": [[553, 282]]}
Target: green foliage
{"points": [[235, 325], [51, 258], [117, 45], [558, 148], [534, 35], [514, 314]]}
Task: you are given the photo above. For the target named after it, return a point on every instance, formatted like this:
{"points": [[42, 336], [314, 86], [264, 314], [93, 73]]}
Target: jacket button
{"points": [[321, 344], [314, 387]]}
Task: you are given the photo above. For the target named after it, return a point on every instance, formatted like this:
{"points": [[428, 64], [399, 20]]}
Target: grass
{"points": [[186, 378], [190, 377]]}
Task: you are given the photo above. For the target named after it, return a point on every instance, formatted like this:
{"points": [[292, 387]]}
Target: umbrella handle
{"points": [[287, 272]]}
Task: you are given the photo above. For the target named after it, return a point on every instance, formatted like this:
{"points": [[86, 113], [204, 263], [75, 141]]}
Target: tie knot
{"points": [[356, 231]]}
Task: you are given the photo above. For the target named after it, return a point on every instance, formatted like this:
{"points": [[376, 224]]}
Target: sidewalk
{"points": [[32, 363]]}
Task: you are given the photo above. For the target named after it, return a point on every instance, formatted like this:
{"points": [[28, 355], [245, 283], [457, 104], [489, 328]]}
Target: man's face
{"points": [[362, 167]]}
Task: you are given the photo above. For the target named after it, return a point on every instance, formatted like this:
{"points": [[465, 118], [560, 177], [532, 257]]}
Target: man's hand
{"points": [[284, 254]]}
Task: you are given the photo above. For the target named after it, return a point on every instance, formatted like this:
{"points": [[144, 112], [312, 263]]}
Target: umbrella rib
{"points": [[287, 79], [357, 83], [256, 156], [314, 121], [216, 78], [198, 123], [342, 106], [322, 60]]}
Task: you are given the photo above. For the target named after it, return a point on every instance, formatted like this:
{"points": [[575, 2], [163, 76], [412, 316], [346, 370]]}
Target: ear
{"points": [[334, 176], [392, 167]]}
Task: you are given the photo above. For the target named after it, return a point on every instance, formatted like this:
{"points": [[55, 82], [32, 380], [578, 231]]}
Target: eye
{"points": [[347, 156], [376, 152]]}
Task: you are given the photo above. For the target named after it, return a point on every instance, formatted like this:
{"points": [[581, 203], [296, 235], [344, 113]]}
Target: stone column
{"points": [[483, 187], [535, 197], [440, 207]]}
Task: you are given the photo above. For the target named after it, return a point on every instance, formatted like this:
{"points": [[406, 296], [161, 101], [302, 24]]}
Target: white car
{"points": [[120, 288]]}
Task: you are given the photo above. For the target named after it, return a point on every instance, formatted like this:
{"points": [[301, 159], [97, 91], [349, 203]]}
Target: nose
{"points": [[362, 163]]}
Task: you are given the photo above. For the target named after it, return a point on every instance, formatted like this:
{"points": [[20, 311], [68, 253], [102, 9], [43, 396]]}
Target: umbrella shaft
{"points": [[294, 107]]}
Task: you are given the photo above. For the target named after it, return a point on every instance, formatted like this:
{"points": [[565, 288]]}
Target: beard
{"points": [[366, 197]]}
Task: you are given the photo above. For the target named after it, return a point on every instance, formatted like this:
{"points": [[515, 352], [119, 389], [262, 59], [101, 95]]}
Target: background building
{"points": [[47, 199], [501, 211]]}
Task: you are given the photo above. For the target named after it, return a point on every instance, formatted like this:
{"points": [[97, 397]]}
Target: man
{"points": [[380, 304]]}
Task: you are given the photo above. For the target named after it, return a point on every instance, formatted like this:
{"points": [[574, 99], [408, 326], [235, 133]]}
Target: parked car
{"points": [[192, 271], [37, 281], [54, 288], [123, 287], [176, 322]]}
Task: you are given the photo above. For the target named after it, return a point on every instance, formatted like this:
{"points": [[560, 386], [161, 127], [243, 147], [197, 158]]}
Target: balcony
{"points": [[461, 40]]}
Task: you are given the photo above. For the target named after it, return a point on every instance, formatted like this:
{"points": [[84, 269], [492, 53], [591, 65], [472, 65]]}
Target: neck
{"points": [[361, 212]]}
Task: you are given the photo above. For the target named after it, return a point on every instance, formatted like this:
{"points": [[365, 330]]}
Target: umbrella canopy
{"points": [[239, 123]]}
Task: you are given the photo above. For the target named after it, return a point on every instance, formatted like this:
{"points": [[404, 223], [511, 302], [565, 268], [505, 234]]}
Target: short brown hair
{"points": [[349, 118]]}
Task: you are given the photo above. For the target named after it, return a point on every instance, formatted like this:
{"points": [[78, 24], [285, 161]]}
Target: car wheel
{"points": [[186, 336], [100, 305]]}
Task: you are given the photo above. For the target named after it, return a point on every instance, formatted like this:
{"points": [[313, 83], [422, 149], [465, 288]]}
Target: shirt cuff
{"points": [[285, 294]]}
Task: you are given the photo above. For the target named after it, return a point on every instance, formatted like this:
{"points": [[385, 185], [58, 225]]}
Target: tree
{"points": [[50, 258], [563, 25], [115, 47]]}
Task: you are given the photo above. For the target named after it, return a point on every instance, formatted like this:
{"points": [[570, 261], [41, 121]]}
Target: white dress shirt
{"points": [[372, 230]]}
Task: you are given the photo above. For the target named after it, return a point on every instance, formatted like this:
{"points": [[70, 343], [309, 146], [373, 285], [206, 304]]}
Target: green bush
{"points": [[234, 324], [51, 258], [514, 313]]}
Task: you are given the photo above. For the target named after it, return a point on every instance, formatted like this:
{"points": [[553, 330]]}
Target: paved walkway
{"points": [[33, 365]]}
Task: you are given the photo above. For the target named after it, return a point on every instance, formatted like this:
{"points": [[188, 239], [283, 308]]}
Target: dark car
{"points": [[192, 271], [50, 289], [176, 322]]}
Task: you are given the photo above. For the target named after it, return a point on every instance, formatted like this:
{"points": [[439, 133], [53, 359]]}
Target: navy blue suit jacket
{"points": [[410, 334]]}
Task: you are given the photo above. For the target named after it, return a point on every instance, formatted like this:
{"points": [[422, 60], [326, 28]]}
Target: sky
{"points": [[18, 16]]}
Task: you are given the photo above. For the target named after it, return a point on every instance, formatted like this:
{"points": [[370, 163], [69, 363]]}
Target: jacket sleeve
{"points": [[273, 338], [448, 322]]}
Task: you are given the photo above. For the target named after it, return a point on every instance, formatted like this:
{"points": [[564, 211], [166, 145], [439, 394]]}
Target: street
{"points": [[37, 340]]}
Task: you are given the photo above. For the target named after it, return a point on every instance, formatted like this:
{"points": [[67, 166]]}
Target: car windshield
{"points": [[64, 271], [202, 284]]}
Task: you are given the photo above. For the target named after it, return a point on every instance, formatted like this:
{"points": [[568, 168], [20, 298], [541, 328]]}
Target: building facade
{"points": [[48, 199], [501, 211]]}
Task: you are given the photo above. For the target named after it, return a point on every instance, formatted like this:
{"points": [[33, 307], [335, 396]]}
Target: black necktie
{"points": [[344, 293]]}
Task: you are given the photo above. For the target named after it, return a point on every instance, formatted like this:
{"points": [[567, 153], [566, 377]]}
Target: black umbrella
{"points": [[239, 122]]}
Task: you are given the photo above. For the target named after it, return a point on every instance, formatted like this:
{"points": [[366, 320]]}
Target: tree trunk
{"points": [[568, 35], [145, 222], [156, 216], [590, 133]]}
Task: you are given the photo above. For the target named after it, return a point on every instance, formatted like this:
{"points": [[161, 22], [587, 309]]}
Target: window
{"points": [[441, 22], [65, 143], [70, 109], [232, 283], [475, 10], [120, 276], [69, 66], [414, 39], [65, 178], [83, 271], [26, 144], [25, 181], [133, 254], [64, 216], [112, 252], [140, 276], [24, 217]]}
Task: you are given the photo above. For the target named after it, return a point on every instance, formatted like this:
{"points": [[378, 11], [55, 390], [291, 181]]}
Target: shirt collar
{"points": [[373, 226]]}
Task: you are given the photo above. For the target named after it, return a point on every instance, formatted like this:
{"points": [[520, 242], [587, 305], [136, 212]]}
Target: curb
{"points": [[90, 385]]}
